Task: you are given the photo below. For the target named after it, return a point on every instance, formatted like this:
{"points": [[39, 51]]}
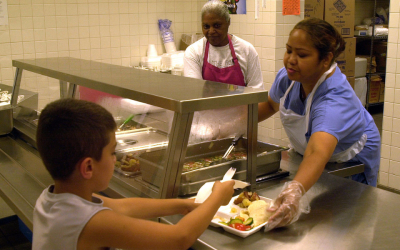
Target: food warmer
{"points": [[172, 130]]}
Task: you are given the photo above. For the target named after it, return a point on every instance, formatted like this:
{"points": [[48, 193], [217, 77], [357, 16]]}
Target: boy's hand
{"points": [[225, 190]]}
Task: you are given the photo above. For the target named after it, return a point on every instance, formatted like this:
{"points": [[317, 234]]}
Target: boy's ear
{"points": [[86, 168]]}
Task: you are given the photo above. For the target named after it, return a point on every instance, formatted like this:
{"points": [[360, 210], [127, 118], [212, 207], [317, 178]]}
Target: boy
{"points": [[76, 140]]}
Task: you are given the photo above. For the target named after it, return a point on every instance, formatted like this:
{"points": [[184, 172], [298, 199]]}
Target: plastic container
{"points": [[360, 69], [177, 70]]}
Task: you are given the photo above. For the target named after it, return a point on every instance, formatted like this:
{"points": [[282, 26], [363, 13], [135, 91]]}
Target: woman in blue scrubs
{"points": [[322, 116]]}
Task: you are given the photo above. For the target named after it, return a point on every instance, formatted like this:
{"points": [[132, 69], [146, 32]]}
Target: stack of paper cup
{"points": [[152, 51], [170, 47]]}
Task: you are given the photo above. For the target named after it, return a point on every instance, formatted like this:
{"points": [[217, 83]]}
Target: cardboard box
{"points": [[374, 90], [341, 14], [314, 8], [352, 81], [347, 59], [188, 39]]}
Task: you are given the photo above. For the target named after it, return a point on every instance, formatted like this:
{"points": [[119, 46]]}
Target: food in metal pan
{"points": [[208, 161], [128, 163], [246, 198]]}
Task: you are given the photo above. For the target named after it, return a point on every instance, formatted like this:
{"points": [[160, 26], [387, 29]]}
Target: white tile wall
{"points": [[389, 172], [118, 32], [112, 31]]}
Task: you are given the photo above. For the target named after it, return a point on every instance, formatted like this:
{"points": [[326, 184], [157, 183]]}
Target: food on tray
{"points": [[258, 211], [239, 223], [128, 163], [205, 162], [246, 198], [243, 221]]}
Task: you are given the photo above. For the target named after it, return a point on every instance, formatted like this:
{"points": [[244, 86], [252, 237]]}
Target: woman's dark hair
{"points": [[323, 35], [70, 130]]}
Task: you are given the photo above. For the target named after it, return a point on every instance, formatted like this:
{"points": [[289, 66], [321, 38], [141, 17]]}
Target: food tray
{"points": [[153, 163], [127, 173], [138, 141], [225, 212]]}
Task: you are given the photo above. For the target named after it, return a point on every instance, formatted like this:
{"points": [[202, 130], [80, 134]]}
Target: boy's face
{"points": [[105, 167]]}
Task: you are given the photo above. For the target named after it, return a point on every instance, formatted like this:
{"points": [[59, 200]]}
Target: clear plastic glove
{"points": [[288, 206]]}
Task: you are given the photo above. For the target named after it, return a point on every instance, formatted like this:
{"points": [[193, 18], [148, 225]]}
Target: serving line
{"points": [[344, 215]]}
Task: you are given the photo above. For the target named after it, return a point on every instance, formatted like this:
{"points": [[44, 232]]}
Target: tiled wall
{"points": [[268, 34], [118, 32], [112, 31], [389, 173]]}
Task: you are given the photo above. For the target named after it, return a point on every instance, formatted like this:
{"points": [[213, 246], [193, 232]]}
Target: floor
{"points": [[11, 238]]}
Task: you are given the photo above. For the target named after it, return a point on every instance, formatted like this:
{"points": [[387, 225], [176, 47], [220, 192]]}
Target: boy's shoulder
{"points": [[58, 219]]}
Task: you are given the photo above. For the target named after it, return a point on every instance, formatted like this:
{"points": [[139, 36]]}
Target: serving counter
{"points": [[339, 206], [345, 215], [164, 107]]}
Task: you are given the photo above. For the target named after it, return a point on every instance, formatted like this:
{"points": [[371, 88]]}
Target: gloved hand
{"points": [[287, 206]]}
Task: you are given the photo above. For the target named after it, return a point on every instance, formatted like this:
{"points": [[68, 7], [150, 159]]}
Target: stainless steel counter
{"points": [[344, 215]]}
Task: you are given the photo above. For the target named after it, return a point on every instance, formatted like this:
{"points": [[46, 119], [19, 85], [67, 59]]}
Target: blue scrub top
{"points": [[336, 110]]}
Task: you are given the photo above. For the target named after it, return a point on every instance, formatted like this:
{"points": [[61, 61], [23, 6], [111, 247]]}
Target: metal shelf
{"points": [[375, 104], [372, 37], [376, 73]]}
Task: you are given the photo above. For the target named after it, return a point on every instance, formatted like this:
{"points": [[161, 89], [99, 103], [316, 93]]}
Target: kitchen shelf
{"points": [[376, 73], [366, 46], [371, 37]]}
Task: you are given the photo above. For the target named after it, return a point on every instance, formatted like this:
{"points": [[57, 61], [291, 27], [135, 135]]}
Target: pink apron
{"points": [[231, 75], [93, 95]]}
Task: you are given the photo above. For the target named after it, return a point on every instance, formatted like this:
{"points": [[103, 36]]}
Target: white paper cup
{"points": [[152, 51], [170, 47]]}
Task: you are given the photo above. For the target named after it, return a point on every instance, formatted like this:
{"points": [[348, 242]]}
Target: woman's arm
{"points": [[253, 74], [267, 109], [318, 152], [286, 207], [192, 66]]}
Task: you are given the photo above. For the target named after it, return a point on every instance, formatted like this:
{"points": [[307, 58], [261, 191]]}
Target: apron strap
{"points": [[205, 57], [352, 151], [310, 98]]}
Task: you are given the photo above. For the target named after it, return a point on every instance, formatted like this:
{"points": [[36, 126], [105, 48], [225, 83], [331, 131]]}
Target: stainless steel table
{"points": [[344, 215]]}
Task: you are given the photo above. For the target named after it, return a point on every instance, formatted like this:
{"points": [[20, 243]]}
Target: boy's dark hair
{"points": [[323, 35], [70, 130]]}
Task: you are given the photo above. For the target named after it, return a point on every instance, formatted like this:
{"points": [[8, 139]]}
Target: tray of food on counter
{"points": [[203, 163], [245, 214], [127, 164]]}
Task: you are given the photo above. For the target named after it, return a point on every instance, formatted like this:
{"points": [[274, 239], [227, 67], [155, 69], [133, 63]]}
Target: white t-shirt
{"points": [[58, 219], [221, 57]]}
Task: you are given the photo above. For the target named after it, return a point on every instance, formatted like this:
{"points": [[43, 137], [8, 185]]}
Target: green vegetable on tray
{"points": [[239, 223]]}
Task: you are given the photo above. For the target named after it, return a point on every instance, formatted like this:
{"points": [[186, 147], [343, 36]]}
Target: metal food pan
{"points": [[268, 159], [129, 127], [136, 142]]}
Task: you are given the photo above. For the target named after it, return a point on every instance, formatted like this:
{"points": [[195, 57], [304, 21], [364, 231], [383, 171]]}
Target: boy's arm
{"points": [[110, 229], [148, 208]]}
